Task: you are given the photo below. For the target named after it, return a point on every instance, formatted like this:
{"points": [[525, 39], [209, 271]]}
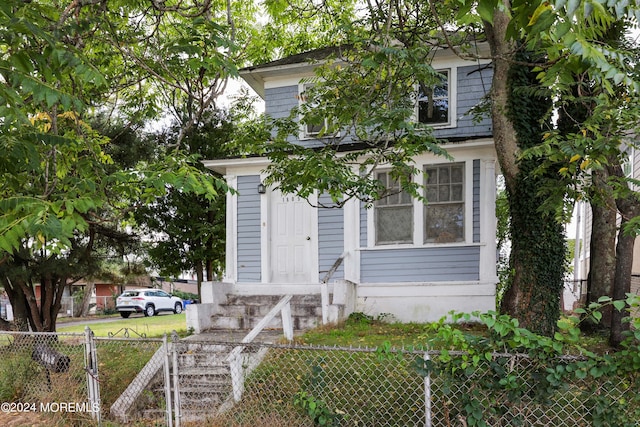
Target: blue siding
{"points": [[278, 104], [248, 267], [363, 225], [279, 101], [330, 238], [473, 83], [420, 265], [476, 201]]}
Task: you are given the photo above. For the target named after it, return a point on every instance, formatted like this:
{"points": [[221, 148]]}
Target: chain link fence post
{"points": [[167, 381], [91, 367], [176, 378], [427, 394]]}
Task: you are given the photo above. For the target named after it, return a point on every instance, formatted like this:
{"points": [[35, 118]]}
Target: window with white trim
{"points": [[393, 213], [444, 212], [311, 130], [434, 101]]}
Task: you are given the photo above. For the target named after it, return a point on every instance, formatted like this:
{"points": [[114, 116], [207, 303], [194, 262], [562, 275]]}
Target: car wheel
{"points": [[178, 308], [125, 314], [150, 310]]}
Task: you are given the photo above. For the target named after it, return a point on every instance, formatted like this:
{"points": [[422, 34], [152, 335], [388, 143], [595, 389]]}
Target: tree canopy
{"points": [[388, 50]]}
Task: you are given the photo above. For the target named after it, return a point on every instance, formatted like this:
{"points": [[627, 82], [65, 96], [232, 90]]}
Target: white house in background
{"points": [[583, 229], [400, 257]]}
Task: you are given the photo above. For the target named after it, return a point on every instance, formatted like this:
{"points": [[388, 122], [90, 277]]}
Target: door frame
{"points": [[266, 202]]}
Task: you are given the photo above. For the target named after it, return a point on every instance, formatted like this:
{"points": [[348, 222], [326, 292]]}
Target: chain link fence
{"points": [[48, 373], [172, 382]]}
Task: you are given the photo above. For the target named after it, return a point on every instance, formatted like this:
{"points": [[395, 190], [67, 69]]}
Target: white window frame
{"points": [[464, 200], [419, 211], [304, 128], [378, 206], [452, 73]]}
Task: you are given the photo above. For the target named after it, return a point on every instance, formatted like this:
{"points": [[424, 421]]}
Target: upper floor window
{"points": [[311, 129], [444, 212], [434, 101], [393, 212]]}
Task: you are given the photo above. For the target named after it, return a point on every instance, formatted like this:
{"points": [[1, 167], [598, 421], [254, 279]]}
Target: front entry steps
{"points": [[245, 311]]}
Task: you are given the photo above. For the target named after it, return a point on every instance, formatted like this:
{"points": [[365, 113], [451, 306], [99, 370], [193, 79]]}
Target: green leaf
{"points": [[572, 6], [619, 305], [486, 9]]}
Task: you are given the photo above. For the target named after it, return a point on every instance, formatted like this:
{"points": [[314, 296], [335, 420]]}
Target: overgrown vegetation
{"points": [[120, 362], [484, 370]]}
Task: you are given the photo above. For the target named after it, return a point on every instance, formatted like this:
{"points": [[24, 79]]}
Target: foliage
{"points": [[185, 296], [186, 231], [305, 399], [503, 237], [62, 65], [15, 372], [538, 251], [341, 95], [346, 387], [119, 364], [550, 371]]}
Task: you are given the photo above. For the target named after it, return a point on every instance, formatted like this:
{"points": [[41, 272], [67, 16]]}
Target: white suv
{"points": [[147, 301]]}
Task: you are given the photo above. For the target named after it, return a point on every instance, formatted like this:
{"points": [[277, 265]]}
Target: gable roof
{"points": [[255, 75]]}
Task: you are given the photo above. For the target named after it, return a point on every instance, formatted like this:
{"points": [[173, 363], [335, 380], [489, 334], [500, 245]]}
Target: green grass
{"points": [[151, 327], [363, 331]]}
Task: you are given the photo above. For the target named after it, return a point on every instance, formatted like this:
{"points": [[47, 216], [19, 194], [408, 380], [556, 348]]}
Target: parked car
{"points": [[147, 301]]}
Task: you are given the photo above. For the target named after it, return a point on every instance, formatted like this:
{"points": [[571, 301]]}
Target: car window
{"points": [[162, 294], [130, 294]]}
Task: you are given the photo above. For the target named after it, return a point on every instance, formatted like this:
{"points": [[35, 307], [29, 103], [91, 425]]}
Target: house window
{"points": [[444, 212], [311, 129], [393, 213], [433, 101]]}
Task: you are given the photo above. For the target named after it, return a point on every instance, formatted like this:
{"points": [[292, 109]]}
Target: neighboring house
{"points": [[583, 229], [402, 258]]}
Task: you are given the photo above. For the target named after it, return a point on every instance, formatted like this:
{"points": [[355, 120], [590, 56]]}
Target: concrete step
{"points": [[299, 322], [246, 311], [234, 299]]}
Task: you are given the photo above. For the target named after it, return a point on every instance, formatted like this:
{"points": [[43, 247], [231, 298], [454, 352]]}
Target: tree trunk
{"points": [[600, 281], [537, 260], [19, 305], [537, 254], [86, 299], [629, 207], [504, 133], [622, 283], [199, 277]]}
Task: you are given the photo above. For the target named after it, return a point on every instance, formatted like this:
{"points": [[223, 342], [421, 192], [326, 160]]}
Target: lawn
{"points": [[360, 330], [150, 327]]}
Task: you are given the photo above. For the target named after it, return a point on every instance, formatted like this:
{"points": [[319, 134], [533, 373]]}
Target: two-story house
{"points": [[401, 257]]}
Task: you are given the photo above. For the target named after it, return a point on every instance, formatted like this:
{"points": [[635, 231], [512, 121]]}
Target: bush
{"points": [[17, 371], [511, 376]]}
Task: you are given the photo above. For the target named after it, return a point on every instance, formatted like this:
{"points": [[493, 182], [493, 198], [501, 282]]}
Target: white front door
{"points": [[291, 239]]}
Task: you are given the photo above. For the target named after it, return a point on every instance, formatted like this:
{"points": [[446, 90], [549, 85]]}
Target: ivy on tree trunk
{"points": [[539, 248]]}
